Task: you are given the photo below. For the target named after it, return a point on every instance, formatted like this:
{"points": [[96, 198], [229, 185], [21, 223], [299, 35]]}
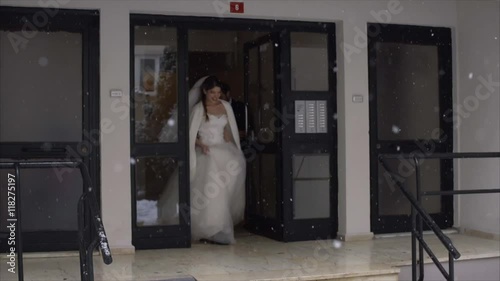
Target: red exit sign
{"points": [[236, 7]]}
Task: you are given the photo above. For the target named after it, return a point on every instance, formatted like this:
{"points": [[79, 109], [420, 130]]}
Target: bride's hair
{"points": [[209, 83]]}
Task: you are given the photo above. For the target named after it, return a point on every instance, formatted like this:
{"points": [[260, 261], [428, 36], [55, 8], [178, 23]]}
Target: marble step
{"points": [[378, 273]]}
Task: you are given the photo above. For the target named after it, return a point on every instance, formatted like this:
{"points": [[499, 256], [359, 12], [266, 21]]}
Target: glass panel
{"points": [[407, 91], [157, 187], [311, 186], [391, 199], [309, 61], [155, 84], [40, 96], [266, 92], [263, 184], [268, 185], [261, 105], [49, 198], [254, 176], [253, 89]]}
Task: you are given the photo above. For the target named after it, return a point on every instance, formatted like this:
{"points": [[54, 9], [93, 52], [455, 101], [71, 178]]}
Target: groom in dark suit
{"points": [[239, 109]]}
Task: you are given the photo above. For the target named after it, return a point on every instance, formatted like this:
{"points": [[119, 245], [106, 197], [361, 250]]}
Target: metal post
{"points": [[19, 238], [419, 219], [87, 206], [81, 238], [451, 267], [413, 244]]}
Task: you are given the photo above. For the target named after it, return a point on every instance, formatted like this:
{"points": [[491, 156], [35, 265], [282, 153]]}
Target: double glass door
{"points": [[284, 73]]}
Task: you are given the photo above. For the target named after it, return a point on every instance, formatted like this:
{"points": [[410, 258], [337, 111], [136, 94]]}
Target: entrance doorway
{"points": [[49, 110], [283, 73]]}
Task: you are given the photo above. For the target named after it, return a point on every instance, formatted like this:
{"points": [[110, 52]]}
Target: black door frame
{"points": [[418, 35], [300, 229], [270, 227], [326, 143], [87, 150], [163, 236]]}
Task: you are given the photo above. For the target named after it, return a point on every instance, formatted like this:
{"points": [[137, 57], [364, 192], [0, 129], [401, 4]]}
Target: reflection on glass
{"points": [[41, 88], [391, 199], [157, 191], [309, 61], [261, 97], [311, 186], [407, 91], [155, 84], [263, 185], [254, 185], [254, 88], [266, 93], [268, 185], [49, 199]]}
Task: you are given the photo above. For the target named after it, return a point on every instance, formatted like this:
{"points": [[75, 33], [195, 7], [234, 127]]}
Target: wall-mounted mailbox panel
{"points": [[311, 117], [300, 116]]}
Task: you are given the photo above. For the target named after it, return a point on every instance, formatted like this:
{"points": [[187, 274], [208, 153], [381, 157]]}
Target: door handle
{"points": [[246, 119]]}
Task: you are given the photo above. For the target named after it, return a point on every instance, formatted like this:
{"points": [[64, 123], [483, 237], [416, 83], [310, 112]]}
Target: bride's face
{"points": [[213, 95]]}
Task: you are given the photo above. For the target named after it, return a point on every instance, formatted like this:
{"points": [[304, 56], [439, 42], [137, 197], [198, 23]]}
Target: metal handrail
{"points": [[442, 155], [427, 218], [459, 192], [88, 216], [422, 214]]}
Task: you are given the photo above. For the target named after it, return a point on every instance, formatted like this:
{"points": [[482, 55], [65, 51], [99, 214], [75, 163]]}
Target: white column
{"points": [[115, 127], [353, 131]]}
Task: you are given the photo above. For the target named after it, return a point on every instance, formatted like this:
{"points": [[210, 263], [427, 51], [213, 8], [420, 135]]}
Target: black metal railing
{"points": [[91, 233], [419, 215]]}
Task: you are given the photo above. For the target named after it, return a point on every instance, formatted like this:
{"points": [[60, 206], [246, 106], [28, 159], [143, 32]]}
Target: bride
{"points": [[217, 168]]}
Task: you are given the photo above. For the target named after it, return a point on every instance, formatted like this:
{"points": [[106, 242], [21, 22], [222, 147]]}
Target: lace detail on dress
{"points": [[211, 132]]}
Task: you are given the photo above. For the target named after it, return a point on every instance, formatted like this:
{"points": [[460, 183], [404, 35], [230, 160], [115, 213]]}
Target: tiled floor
{"points": [[256, 258]]}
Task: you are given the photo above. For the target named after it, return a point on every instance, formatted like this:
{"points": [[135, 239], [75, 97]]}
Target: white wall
{"points": [[478, 130], [353, 129]]}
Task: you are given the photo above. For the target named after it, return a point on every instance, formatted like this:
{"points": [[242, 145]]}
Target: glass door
{"points": [[292, 175], [48, 110], [410, 76], [263, 143], [159, 122], [309, 143]]}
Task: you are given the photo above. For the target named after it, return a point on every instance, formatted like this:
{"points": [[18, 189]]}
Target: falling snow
{"points": [[171, 122], [396, 129], [43, 61], [337, 244]]}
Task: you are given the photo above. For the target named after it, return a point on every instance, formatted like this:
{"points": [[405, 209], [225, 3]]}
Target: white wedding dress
{"points": [[218, 189], [217, 179]]}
